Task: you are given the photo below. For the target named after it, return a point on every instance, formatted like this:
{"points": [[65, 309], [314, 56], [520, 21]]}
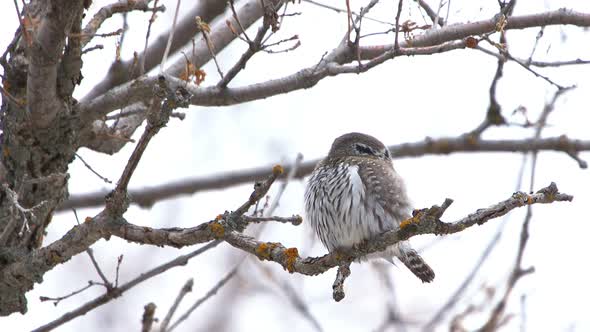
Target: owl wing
{"points": [[386, 192]]}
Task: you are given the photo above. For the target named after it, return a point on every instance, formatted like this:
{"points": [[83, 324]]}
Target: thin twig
{"points": [[147, 38], [540, 64], [116, 292], [437, 16], [125, 6], [163, 102], [507, 54], [188, 287], [294, 220], [494, 113], [25, 214], [523, 313], [170, 36], [340, 11], [497, 314], [253, 47], [285, 285], [119, 261], [93, 48], [92, 169], [392, 313], [430, 12], [107, 34], [235, 14], [397, 16], [56, 300], [453, 299], [90, 253], [537, 39], [207, 296], [290, 176], [204, 28], [107, 283]]}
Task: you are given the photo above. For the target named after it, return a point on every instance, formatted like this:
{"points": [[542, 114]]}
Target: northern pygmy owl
{"points": [[355, 194]]}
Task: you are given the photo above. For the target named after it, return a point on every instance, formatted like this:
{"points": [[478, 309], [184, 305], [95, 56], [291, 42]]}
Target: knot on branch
{"points": [[117, 202], [157, 117]]}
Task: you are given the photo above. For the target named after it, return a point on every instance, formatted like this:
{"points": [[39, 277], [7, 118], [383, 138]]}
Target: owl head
{"points": [[359, 145]]}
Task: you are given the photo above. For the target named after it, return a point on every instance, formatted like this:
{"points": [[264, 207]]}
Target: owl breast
{"points": [[342, 211]]}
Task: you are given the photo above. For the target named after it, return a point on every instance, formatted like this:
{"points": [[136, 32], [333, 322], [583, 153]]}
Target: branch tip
{"points": [[338, 286]]}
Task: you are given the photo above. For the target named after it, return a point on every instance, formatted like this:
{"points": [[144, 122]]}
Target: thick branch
{"points": [[435, 41], [220, 35], [20, 276], [424, 222], [45, 50], [463, 30], [146, 197]]}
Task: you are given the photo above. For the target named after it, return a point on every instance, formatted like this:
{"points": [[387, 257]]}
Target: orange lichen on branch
{"points": [[55, 258], [523, 199], [278, 170], [291, 255], [217, 229], [219, 217], [88, 219], [264, 249], [409, 221]]}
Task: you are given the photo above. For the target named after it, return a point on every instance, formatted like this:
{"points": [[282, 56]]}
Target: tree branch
{"points": [[22, 274], [207, 296], [118, 291], [147, 197], [108, 11], [119, 72], [434, 41], [45, 51], [425, 221], [188, 287], [148, 317]]}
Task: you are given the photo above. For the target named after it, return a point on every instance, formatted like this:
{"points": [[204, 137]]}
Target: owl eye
{"points": [[363, 149]]}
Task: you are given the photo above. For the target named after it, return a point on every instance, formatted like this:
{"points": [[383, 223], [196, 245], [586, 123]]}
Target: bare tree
{"points": [[44, 126]]}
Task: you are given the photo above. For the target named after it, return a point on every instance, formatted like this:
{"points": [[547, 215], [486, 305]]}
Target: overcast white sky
{"points": [[404, 100]]}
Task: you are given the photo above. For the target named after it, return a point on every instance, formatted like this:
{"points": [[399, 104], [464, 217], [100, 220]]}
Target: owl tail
{"points": [[417, 265]]}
